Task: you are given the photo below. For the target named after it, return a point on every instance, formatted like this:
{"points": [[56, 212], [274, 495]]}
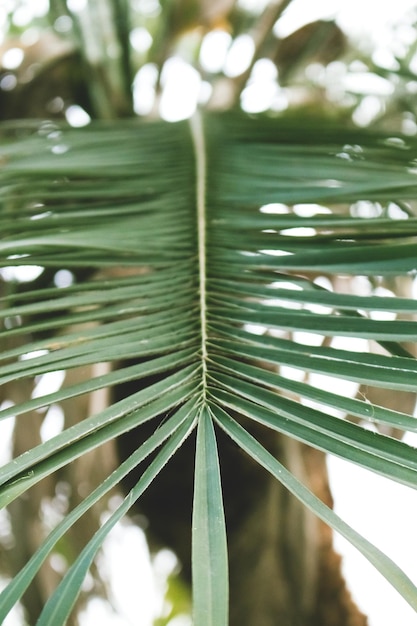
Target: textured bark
{"points": [[273, 553]]}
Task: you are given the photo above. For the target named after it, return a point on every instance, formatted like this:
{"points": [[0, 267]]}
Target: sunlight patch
{"points": [[76, 6], [254, 329], [12, 58], [32, 355], [239, 56], [76, 116], [21, 273], [274, 208], [277, 252], [214, 50], [48, 383], [286, 285], [310, 209], [144, 89], [140, 39], [300, 231], [367, 111], [53, 423], [366, 209], [181, 88]]}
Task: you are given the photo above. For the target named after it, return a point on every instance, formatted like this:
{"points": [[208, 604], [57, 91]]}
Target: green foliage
{"points": [[179, 204]]}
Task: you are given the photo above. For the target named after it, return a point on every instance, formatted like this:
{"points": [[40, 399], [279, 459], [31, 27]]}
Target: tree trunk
{"points": [[283, 569]]}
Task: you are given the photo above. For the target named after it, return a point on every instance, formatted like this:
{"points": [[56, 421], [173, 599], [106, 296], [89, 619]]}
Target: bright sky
{"points": [[385, 513], [363, 17]]}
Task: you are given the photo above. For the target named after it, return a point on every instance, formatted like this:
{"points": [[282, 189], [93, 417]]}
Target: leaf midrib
{"points": [[199, 146]]}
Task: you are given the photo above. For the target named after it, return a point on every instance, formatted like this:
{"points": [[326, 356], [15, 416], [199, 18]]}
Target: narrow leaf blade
{"points": [[209, 547], [398, 579]]}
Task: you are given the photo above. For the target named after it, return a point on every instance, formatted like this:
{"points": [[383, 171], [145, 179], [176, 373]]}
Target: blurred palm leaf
{"points": [[213, 279]]}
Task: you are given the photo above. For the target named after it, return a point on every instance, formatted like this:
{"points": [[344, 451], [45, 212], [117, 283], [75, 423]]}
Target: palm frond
{"points": [[182, 238]]}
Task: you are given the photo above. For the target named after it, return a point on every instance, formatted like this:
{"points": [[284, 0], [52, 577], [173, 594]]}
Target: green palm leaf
{"points": [[177, 209]]}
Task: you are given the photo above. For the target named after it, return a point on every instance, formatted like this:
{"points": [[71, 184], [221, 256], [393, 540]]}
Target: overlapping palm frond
{"points": [[214, 280]]}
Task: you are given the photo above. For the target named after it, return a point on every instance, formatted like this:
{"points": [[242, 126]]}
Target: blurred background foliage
{"points": [[78, 60], [115, 58]]}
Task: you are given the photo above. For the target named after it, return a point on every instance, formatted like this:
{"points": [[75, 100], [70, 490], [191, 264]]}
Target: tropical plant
{"points": [[206, 261]]}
